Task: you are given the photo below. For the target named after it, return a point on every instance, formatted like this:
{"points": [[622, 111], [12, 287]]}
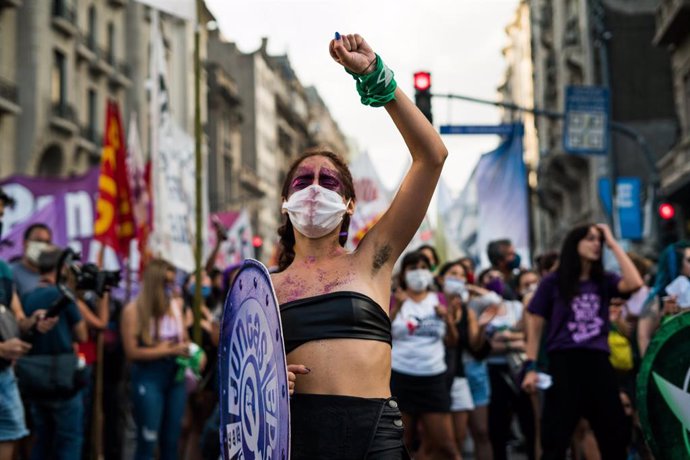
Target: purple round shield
{"points": [[254, 405]]}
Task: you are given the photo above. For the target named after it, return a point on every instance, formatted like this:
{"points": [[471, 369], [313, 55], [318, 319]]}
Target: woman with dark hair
{"points": [[420, 330], [467, 338], [430, 252], [575, 300], [334, 302]]}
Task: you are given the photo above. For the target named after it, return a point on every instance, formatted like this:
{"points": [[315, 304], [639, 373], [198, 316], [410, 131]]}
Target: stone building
{"points": [[224, 133], [9, 93], [69, 59], [673, 34], [589, 42], [323, 129], [277, 125], [518, 88]]}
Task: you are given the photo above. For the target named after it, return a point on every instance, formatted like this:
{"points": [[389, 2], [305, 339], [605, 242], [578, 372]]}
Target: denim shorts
{"points": [[12, 422], [478, 377]]}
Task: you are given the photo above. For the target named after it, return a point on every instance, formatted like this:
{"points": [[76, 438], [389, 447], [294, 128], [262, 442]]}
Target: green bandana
{"points": [[378, 87]]}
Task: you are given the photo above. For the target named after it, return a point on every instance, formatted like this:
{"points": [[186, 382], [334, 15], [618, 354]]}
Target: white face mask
{"points": [[454, 286], [419, 280], [315, 211], [34, 250]]}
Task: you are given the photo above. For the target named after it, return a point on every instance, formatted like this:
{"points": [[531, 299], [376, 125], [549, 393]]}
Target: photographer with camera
{"points": [[50, 375], [13, 323], [93, 293]]}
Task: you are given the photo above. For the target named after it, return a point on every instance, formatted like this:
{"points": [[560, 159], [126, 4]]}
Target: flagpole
{"points": [[196, 331], [97, 422]]}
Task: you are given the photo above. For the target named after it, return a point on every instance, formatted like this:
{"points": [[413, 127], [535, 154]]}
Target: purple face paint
{"points": [[304, 177]]}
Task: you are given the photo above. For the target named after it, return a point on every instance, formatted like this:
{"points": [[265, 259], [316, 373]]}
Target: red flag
{"points": [[114, 225]]}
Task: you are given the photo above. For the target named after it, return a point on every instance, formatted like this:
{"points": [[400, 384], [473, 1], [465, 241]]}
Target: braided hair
{"points": [[285, 231]]}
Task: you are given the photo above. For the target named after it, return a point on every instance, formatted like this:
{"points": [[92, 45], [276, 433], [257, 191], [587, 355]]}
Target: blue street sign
{"points": [[586, 120], [502, 130], [629, 205]]}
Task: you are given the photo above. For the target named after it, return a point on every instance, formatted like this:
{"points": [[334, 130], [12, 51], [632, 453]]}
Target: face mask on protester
{"points": [[529, 289], [205, 290], [315, 211], [515, 263], [34, 250], [496, 285], [419, 280], [454, 286]]}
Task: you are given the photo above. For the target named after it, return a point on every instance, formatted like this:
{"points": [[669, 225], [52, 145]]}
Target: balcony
{"points": [[9, 98], [120, 75], [672, 19], [10, 4], [99, 64], [64, 19], [674, 167], [90, 139], [64, 118], [85, 48]]}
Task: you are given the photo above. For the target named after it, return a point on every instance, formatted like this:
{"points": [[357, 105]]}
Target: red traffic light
{"points": [[422, 81], [666, 211], [257, 241]]}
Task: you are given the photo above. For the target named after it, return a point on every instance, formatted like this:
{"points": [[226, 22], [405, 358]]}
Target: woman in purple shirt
{"points": [[571, 307]]}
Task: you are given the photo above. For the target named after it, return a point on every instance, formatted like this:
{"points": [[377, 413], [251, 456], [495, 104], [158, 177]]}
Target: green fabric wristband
{"points": [[378, 87]]}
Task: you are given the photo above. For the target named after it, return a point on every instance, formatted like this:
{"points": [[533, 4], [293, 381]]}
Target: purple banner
{"points": [[67, 206]]}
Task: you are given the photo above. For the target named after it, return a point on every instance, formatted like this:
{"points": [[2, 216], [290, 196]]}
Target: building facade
{"points": [[518, 88], [62, 60], [9, 92], [70, 59], [673, 34], [588, 42]]}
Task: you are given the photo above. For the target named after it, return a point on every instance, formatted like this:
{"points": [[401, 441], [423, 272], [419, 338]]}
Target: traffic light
{"points": [[422, 95], [668, 224], [257, 241]]}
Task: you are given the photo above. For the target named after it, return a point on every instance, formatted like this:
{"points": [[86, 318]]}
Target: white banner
{"points": [[238, 245], [185, 9], [372, 198]]}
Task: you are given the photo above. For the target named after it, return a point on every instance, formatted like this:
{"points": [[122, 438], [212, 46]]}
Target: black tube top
{"points": [[336, 315]]}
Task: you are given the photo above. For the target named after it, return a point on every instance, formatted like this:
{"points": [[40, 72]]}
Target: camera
{"points": [[90, 278]]}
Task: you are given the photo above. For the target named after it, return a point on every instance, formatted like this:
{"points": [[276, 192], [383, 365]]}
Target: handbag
{"points": [[50, 376], [621, 356]]}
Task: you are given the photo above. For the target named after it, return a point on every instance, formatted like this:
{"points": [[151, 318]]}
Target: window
{"points": [[686, 101], [227, 181], [92, 113], [93, 27], [111, 43], [58, 80]]}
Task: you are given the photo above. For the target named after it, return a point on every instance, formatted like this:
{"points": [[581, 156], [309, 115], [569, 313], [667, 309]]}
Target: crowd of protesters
{"points": [[541, 361]]}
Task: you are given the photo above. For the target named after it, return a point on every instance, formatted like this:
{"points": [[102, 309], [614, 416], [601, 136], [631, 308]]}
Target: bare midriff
{"points": [[344, 367]]}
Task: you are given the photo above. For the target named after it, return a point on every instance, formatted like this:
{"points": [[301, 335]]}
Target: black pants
{"points": [[345, 428], [507, 400], [584, 385]]}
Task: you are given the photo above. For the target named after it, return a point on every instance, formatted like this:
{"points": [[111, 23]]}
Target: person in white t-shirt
{"points": [[418, 379]]}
